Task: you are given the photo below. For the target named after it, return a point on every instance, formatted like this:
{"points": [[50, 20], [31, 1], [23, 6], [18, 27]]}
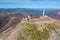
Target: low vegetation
{"points": [[31, 33], [53, 27]]}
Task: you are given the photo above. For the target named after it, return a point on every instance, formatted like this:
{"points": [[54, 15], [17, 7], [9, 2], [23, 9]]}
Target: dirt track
{"points": [[14, 34]]}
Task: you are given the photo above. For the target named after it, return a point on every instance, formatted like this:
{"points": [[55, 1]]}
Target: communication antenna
{"points": [[43, 12]]}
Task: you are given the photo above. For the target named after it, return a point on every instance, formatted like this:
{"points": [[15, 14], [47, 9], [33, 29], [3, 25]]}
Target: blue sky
{"points": [[30, 4]]}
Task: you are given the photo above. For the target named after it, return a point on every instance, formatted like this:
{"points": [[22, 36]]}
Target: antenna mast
{"points": [[43, 12]]}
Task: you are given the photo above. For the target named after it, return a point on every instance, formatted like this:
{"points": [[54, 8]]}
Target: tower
{"points": [[43, 12]]}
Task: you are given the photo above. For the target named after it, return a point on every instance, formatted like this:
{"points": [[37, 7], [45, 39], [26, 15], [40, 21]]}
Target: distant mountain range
{"points": [[54, 14], [36, 12]]}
